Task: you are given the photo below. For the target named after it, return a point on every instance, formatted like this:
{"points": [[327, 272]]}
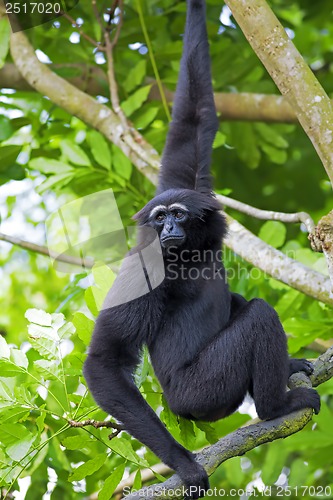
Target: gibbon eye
{"points": [[179, 215], [160, 217]]}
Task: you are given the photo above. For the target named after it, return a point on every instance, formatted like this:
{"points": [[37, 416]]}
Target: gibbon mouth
{"points": [[172, 240]]}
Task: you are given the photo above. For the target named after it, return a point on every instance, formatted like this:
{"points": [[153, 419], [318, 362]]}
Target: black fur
{"points": [[208, 346]]}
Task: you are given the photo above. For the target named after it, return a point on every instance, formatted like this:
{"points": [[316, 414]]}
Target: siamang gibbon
{"points": [[209, 347]]}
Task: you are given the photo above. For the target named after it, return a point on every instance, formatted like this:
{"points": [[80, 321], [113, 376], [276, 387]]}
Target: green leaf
{"points": [[40, 421], [46, 339], [4, 39], [19, 358], [39, 317], [6, 396], [84, 327], [270, 135], [123, 447], [137, 483], [45, 346], [17, 440], [145, 117], [135, 76], [74, 153], [50, 166], [289, 303], [4, 349], [111, 483], [88, 468], [245, 142], [13, 414], [135, 100], [14, 171], [20, 122], [8, 156], [93, 302], [6, 129], [142, 370], [295, 16], [168, 417], [8, 369], [48, 369], [103, 277], [274, 461], [121, 163], [208, 429], [99, 149], [187, 433], [278, 156], [234, 473], [75, 361], [219, 140], [299, 473], [158, 476], [66, 331], [77, 442], [273, 232], [55, 181], [304, 331]]}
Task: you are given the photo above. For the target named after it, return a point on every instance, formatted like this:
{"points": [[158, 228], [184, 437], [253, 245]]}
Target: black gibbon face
{"points": [[169, 222]]}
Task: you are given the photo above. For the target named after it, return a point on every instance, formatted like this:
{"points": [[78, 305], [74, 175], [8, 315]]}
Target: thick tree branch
{"points": [[233, 445], [242, 106], [249, 437], [237, 106], [291, 74], [277, 264], [89, 79], [323, 368]]}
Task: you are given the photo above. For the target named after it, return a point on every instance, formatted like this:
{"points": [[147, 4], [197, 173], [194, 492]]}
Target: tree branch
{"points": [[241, 106], [32, 247], [80, 30], [98, 425], [249, 437], [109, 46], [237, 106], [268, 214], [291, 74], [89, 79], [277, 264]]}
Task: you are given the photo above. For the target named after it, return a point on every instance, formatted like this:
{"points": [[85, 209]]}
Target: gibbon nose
{"points": [[168, 226]]}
